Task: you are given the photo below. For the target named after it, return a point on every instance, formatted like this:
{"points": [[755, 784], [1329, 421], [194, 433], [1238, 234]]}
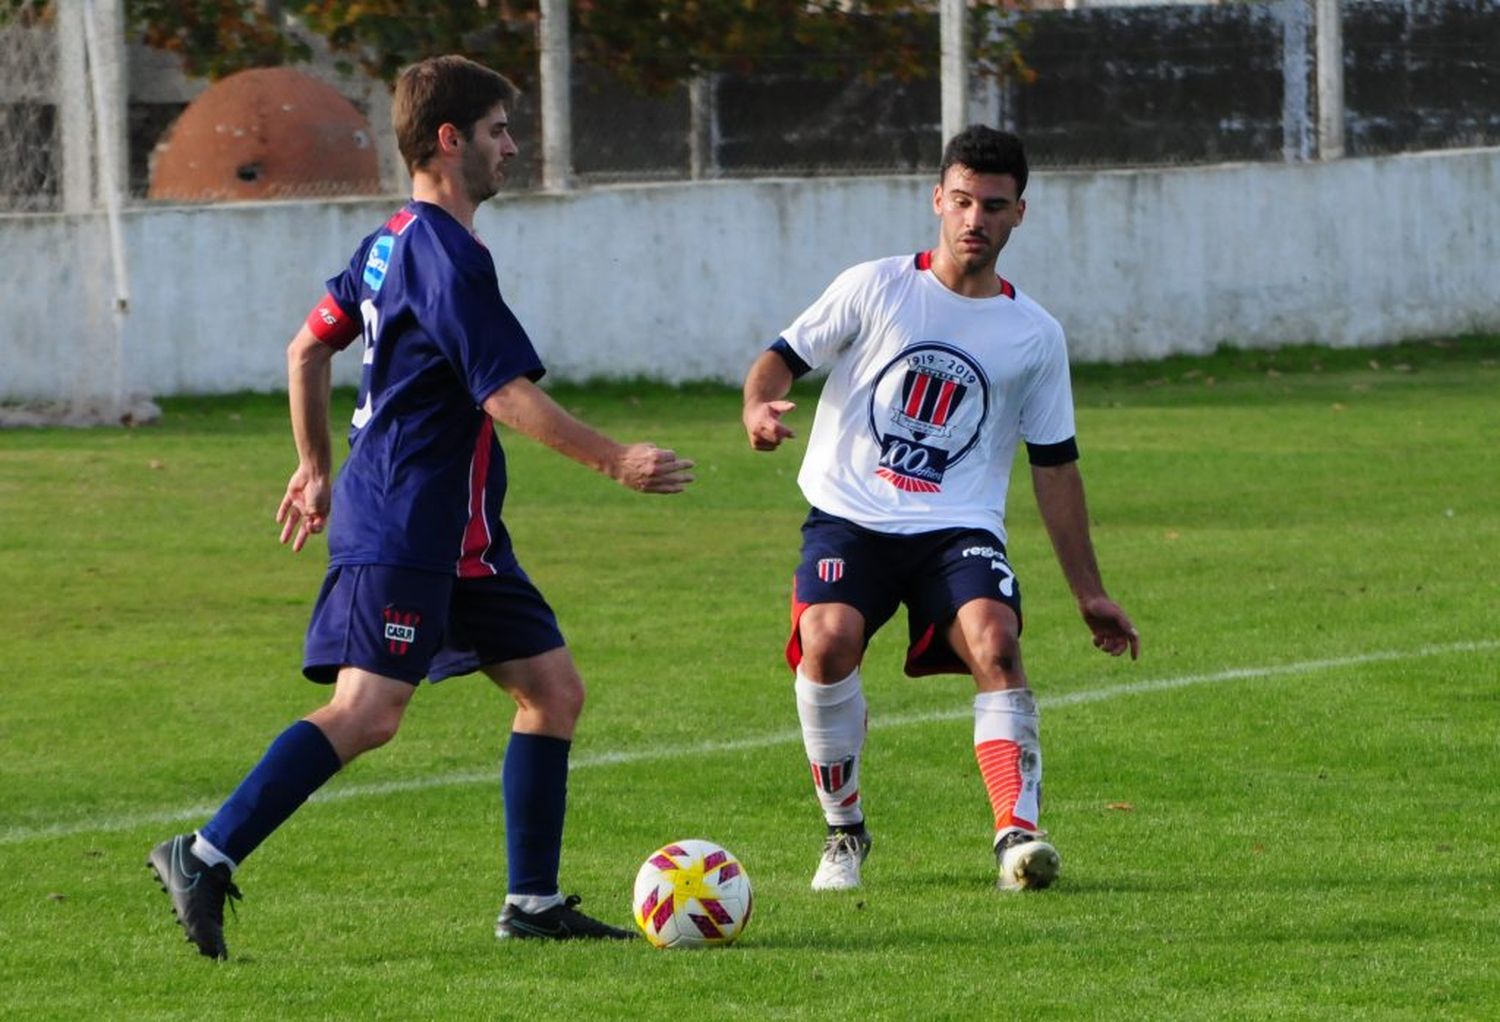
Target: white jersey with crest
{"points": [[928, 395]]}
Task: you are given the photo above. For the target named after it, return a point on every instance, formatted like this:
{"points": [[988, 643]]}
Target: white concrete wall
{"points": [[689, 281]]}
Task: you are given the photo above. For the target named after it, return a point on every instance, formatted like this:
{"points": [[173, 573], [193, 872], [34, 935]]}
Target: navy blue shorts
{"points": [[408, 624], [933, 573]]}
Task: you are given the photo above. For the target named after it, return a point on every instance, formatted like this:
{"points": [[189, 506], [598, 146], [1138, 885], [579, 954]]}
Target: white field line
{"points": [[130, 821]]}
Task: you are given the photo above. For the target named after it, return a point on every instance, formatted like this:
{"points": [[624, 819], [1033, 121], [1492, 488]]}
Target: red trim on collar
{"points": [[923, 261]]}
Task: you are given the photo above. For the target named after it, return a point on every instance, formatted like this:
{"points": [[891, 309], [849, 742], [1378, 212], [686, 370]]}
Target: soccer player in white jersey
{"points": [[937, 370]]}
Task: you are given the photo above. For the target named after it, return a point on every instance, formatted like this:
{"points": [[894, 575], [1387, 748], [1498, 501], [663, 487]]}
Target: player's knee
{"points": [[362, 730], [562, 700], [999, 650], [381, 725], [830, 650], [571, 697]]}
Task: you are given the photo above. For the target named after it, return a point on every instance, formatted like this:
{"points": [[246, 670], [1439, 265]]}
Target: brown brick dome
{"points": [[262, 134]]}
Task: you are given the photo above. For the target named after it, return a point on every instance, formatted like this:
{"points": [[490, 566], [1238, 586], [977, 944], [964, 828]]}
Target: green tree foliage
{"points": [[383, 36], [650, 45], [24, 12], [215, 38]]}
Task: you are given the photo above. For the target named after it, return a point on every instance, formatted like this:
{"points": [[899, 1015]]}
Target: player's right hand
{"points": [[764, 426], [304, 508], [1113, 631], [652, 469]]}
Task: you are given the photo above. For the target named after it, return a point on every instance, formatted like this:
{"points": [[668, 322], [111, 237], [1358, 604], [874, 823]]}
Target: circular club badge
{"points": [[926, 411]]}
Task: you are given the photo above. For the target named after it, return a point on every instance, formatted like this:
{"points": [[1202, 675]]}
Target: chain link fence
{"points": [[1111, 86]]}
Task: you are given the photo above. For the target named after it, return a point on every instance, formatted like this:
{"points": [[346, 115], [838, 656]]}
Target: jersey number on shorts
{"points": [[1007, 577]]}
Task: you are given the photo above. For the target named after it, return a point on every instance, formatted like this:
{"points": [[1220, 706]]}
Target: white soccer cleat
{"points": [[1027, 863], [843, 853]]}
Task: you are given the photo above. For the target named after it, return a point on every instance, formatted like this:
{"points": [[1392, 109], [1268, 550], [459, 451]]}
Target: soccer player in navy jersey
{"points": [[938, 370], [422, 580]]}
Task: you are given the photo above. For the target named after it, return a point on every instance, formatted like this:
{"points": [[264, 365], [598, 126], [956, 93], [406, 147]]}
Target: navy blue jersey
{"points": [[424, 482]]}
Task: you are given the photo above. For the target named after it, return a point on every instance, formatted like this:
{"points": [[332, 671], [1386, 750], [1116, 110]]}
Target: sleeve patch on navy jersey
{"points": [[329, 324], [793, 361], [1049, 455]]}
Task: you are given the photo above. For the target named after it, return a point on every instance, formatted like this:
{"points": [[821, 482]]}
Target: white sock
{"points": [[834, 718], [209, 855], [1007, 744], [531, 904]]}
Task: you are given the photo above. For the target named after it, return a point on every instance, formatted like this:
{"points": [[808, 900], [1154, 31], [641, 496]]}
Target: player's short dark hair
{"points": [[443, 90], [985, 150]]}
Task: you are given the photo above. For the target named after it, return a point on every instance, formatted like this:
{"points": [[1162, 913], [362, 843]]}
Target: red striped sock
{"points": [[1000, 766], [1008, 748]]}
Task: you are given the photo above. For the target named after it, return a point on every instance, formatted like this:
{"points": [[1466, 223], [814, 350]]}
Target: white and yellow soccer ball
{"points": [[691, 894]]}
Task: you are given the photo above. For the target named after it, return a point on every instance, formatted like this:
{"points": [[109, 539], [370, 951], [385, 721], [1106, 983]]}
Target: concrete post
{"points": [[955, 66], [1330, 50], [74, 116], [557, 87], [1297, 128], [703, 136]]}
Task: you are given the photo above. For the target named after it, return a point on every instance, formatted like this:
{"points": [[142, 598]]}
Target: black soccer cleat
{"points": [[560, 922], [197, 891]]}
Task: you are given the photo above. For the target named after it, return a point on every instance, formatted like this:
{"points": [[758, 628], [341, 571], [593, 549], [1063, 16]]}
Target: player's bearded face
{"points": [[978, 213], [484, 157]]}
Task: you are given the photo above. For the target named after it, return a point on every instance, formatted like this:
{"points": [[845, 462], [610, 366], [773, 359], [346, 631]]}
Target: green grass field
{"points": [[1288, 808]]}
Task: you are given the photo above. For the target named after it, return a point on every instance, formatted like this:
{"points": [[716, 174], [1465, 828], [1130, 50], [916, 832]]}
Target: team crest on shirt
{"points": [[400, 629], [927, 409], [830, 569]]}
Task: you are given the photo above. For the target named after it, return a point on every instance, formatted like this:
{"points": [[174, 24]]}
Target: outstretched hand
{"points": [[764, 426], [304, 509], [1111, 626], [651, 469]]}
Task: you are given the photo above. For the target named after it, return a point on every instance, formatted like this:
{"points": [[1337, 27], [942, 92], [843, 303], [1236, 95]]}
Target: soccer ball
{"points": [[692, 894]]}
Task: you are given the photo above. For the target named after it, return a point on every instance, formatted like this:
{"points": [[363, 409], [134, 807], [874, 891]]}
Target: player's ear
{"points": [[448, 137], [937, 198], [1020, 211]]}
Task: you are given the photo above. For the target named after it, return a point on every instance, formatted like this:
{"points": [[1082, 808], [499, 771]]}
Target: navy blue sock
{"points": [[534, 780], [298, 763]]}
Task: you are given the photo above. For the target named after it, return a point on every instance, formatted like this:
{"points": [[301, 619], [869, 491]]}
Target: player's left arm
{"points": [[306, 505], [1059, 497], [524, 407]]}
